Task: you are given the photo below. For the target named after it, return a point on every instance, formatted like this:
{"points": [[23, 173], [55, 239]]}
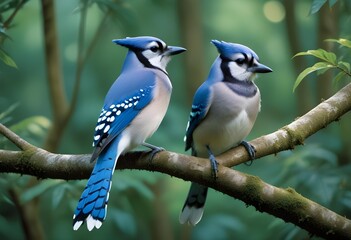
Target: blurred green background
{"points": [[146, 205]]}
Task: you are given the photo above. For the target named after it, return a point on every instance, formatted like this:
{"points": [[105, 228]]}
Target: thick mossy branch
{"points": [[283, 203]]}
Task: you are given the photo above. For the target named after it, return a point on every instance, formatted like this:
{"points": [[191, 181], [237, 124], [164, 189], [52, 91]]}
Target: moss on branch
{"points": [[283, 203]]}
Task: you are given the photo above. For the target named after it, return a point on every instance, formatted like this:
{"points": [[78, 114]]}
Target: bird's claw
{"points": [[154, 150], [214, 163], [250, 150], [214, 166]]}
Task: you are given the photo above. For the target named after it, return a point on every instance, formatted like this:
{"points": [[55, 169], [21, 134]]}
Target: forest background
{"points": [[83, 62]]}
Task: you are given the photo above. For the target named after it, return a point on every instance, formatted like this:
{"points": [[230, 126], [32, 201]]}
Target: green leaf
{"points": [[58, 194], [332, 3], [315, 67], [316, 5], [37, 190], [125, 221], [7, 59], [6, 5], [324, 55], [339, 76], [342, 41], [3, 34], [5, 115], [344, 66], [140, 188], [36, 125], [7, 199], [321, 54], [345, 42]]}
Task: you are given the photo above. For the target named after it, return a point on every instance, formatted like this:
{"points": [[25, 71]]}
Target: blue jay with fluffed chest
{"points": [[223, 113], [133, 109]]}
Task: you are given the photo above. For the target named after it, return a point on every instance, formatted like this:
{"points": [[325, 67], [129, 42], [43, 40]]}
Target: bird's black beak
{"points": [[259, 68], [173, 50]]}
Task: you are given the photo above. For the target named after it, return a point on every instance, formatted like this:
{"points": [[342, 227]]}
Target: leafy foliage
{"points": [[33, 128], [119, 10], [132, 210], [6, 6], [7, 59], [5, 116], [314, 172], [317, 4], [329, 61]]}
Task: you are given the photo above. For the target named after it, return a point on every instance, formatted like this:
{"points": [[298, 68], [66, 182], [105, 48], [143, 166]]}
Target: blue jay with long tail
{"points": [[133, 109], [223, 113]]}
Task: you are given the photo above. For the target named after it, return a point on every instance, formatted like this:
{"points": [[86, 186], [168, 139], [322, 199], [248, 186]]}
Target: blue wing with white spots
{"points": [[199, 109], [116, 117]]}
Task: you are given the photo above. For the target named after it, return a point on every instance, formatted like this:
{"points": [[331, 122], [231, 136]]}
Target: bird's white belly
{"points": [[147, 121], [223, 136]]}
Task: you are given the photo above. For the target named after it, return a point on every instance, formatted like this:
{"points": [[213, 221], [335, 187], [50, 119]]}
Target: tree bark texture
{"points": [[283, 203]]}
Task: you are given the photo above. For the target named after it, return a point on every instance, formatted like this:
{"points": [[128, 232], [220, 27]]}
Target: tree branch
{"points": [[283, 203], [15, 139]]}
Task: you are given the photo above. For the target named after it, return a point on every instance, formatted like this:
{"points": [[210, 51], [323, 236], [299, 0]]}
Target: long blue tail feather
{"points": [[93, 201]]}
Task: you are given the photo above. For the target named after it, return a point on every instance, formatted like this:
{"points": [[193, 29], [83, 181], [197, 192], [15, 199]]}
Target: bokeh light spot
{"points": [[70, 52], [274, 11]]}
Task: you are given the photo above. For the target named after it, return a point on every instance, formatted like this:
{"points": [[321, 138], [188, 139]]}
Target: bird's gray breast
{"points": [[242, 88], [228, 121], [230, 99]]}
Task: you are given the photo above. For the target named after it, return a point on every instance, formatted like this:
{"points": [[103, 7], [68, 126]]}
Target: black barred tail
{"points": [[194, 204]]}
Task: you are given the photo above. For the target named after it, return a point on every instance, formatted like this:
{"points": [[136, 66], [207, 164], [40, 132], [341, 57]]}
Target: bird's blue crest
{"points": [[136, 42], [228, 49]]}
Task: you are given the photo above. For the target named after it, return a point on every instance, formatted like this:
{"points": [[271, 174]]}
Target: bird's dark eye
{"points": [[240, 61], [154, 49]]}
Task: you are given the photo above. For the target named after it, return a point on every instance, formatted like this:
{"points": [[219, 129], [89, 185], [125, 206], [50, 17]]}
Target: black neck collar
{"points": [[145, 61]]}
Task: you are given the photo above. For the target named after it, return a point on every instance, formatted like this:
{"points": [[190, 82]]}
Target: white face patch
{"points": [[239, 67], [160, 61], [155, 56], [239, 72]]}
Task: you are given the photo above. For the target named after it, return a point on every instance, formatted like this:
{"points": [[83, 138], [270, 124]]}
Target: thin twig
{"points": [[80, 61], [82, 57], [96, 36], [15, 139], [8, 21]]}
